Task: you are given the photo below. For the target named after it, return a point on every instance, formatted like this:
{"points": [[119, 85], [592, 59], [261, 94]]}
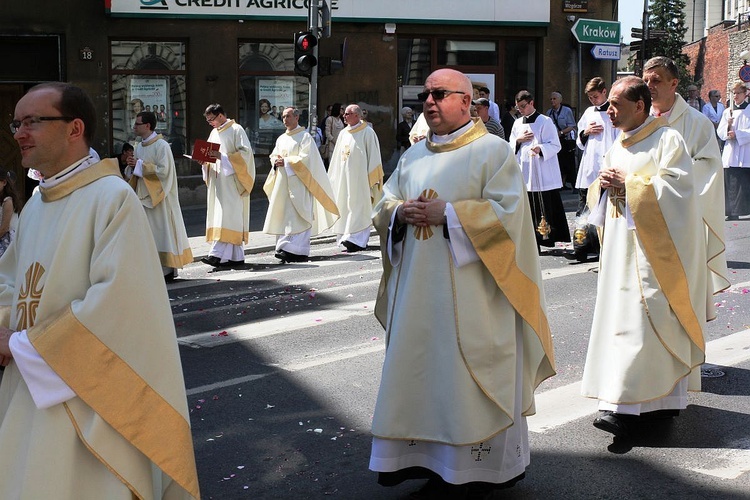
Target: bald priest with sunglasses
{"points": [[462, 303]]}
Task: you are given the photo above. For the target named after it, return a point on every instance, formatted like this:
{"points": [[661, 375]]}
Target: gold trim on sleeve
{"points": [[240, 170]]}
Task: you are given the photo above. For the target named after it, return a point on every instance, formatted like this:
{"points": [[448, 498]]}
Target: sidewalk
{"points": [[259, 242]]}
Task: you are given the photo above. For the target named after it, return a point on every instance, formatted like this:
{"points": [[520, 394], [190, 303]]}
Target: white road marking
{"points": [[285, 324], [725, 463], [564, 404]]}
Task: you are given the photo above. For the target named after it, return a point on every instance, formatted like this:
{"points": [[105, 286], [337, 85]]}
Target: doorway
{"points": [[10, 155]]}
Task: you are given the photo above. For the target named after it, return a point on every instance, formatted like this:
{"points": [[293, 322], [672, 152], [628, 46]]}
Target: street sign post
{"points": [[597, 31], [611, 52]]}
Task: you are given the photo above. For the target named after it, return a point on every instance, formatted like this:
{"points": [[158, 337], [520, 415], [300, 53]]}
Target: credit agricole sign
{"points": [[534, 12]]}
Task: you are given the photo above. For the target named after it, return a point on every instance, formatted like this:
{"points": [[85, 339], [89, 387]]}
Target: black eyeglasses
{"points": [[437, 94], [31, 122]]}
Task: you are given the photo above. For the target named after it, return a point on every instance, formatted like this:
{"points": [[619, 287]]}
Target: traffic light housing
{"points": [[304, 58]]}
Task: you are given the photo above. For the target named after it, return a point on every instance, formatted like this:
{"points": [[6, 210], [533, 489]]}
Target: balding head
{"points": [[451, 112]]}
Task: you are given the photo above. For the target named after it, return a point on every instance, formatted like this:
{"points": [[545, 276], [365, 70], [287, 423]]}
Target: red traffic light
{"points": [[306, 42]]}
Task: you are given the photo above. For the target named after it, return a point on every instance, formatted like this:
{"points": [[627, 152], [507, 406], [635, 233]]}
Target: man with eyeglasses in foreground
{"points": [[356, 173], [230, 181], [154, 178], [461, 299], [92, 400]]}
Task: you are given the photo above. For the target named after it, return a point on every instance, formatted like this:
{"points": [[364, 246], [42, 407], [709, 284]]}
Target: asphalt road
{"points": [[282, 364]]}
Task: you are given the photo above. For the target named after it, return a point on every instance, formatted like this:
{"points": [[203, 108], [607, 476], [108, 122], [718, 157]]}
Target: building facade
{"points": [[174, 57]]}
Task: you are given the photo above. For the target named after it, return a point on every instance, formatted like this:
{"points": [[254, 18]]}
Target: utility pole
{"points": [[319, 23]]}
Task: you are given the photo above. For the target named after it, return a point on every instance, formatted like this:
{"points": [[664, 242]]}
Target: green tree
{"points": [[669, 16]]}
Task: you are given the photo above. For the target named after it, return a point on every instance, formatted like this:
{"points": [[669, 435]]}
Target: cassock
{"points": [[156, 187], [646, 343], [93, 404], [699, 135], [467, 336], [230, 180], [593, 146], [356, 174], [736, 160], [541, 174], [300, 198]]}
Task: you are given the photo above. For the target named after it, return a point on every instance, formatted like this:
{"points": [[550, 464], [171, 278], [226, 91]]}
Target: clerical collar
{"points": [[631, 133], [603, 107], [75, 168], [741, 106], [531, 118], [153, 134], [442, 139]]}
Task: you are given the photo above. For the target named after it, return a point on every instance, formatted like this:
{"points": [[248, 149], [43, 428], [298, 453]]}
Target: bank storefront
{"points": [[174, 57]]}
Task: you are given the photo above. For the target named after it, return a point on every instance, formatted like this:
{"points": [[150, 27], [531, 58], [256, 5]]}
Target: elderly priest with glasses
{"points": [[462, 303]]}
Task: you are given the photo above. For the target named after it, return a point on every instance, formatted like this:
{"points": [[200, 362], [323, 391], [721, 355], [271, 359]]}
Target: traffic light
{"points": [[304, 59]]}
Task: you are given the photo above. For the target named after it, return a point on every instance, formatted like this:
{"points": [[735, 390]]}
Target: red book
{"points": [[202, 150]]}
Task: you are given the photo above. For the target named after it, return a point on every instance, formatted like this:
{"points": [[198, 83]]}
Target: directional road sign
{"points": [[606, 52], [597, 31]]}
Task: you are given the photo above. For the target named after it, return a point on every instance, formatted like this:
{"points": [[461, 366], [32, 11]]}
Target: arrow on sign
{"points": [[611, 52]]}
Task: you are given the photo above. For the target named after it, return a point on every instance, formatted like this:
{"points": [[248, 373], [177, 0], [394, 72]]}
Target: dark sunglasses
{"points": [[437, 95]]}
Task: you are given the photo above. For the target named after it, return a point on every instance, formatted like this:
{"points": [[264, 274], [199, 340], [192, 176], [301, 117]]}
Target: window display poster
{"points": [[482, 80], [273, 96], [150, 94]]}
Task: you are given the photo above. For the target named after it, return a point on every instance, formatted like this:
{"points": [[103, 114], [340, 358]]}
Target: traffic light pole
{"points": [[313, 25]]}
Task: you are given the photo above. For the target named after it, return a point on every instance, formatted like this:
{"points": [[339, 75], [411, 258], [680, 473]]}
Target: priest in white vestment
{"points": [[646, 343], [155, 182], [461, 299], [596, 136], [734, 128], [661, 76], [92, 399], [356, 173], [230, 181], [300, 198]]}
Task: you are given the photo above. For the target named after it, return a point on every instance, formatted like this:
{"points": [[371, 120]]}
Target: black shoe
{"points": [[285, 256], [231, 264], [169, 277], [615, 423], [351, 247], [437, 489], [211, 261], [485, 490], [733, 217], [660, 414]]}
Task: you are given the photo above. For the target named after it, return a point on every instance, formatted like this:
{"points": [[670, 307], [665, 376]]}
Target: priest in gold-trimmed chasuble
{"points": [[155, 182], [93, 404], [356, 173], [300, 198], [462, 303], [647, 344], [230, 181]]}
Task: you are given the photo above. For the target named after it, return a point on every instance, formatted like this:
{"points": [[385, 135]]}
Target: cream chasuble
{"points": [[157, 190], [453, 333], [356, 174], [228, 199], [647, 331], [301, 201], [83, 262], [700, 137]]}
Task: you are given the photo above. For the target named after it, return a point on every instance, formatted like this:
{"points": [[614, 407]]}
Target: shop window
{"points": [[149, 76], [520, 68], [413, 60], [268, 85], [466, 53]]}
